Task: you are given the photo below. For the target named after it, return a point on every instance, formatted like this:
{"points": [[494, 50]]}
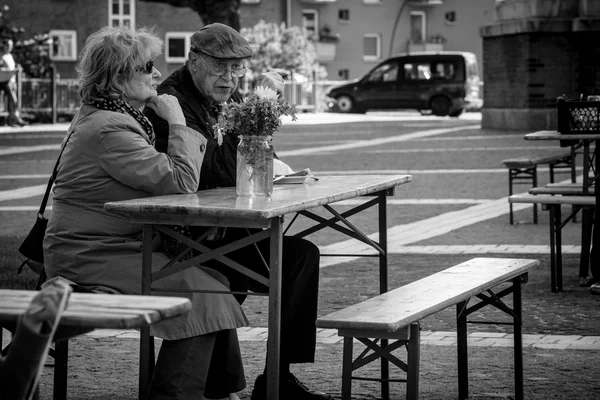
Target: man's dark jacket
{"points": [[218, 167]]}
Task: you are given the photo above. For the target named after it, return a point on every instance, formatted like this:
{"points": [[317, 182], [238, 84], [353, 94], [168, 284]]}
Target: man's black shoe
{"points": [[291, 389]]}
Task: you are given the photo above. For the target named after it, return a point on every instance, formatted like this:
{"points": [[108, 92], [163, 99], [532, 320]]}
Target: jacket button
{"points": [[202, 148]]}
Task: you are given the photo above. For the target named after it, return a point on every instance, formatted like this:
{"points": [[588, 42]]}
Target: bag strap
{"points": [[53, 176]]}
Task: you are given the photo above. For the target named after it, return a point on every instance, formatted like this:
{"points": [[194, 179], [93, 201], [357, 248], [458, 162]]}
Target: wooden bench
{"points": [[564, 189], [524, 170], [553, 204], [396, 314], [87, 311]]}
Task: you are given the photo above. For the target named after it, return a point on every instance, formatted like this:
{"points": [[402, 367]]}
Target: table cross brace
{"points": [[209, 254]]}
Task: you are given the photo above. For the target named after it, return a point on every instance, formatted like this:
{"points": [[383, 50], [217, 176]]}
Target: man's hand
{"points": [[272, 80]]}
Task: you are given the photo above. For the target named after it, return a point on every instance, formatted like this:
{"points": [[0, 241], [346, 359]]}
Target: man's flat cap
{"points": [[220, 41]]}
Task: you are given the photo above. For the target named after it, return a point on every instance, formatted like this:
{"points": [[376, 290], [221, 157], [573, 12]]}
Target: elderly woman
{"points": [[109, 156]]}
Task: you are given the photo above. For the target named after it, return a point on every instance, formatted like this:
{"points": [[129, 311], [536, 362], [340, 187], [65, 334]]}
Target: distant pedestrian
{"points": [[8, 83]]}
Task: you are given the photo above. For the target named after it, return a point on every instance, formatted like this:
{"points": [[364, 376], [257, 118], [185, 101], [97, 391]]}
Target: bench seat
{"points": [[524, 170], [561, 190], [395, 315], [554, 203], [553, 200]]}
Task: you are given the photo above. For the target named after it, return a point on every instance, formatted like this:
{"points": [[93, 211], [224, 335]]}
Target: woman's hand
{"points": [[167, 107]]}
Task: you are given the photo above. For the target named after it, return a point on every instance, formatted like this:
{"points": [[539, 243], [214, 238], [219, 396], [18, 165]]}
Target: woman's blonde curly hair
{"points": [[109, 60]]}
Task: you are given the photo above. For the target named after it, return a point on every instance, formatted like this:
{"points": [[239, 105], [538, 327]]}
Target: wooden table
{"points": [[222, 207], [588, 224], [86, 312]]}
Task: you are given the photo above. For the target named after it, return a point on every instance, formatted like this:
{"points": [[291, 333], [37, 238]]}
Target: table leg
{"points": [[274, 338], [145, 342], [595, 251], [383, 286]]}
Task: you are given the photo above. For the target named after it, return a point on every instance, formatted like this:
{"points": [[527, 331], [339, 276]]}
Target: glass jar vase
{"points": [[254, 175]]}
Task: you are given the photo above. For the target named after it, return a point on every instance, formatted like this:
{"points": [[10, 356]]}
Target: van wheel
{"points": [[345, 104], [457, 113], [440, 106]]}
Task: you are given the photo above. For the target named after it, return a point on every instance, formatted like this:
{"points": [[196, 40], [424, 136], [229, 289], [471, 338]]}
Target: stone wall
{"points": [[529, 62]]}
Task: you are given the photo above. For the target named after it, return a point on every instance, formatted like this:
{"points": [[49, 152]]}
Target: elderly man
{"points": [[216, 62]]}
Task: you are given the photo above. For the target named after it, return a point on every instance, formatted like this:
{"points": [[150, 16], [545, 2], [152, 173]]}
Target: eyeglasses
{"points": [[148, 68], [220, 68]]}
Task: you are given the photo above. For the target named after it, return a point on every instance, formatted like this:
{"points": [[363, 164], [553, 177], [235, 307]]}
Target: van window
{"points": [[387, 72], [426, 70]]}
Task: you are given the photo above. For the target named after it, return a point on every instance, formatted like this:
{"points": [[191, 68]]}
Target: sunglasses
{"points": [[148, 68]]}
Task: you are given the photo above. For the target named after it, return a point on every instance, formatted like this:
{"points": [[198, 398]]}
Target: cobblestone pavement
{"points": [[433, 225]]}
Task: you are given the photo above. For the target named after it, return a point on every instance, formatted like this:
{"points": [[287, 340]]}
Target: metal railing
{"points": [[56, 98]]}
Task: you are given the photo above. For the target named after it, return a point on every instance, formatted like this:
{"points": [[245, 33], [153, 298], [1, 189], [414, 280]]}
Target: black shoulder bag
{"points": [[32, 246]]}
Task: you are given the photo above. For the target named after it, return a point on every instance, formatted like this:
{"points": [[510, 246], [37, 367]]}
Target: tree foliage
{"points": [[32, 54], [276, 46], [223, 11]]}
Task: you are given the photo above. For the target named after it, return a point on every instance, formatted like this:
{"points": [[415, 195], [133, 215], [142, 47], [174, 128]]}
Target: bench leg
{"points": [[535, 207], [587, 214], [555, 248], [461, 345], [347, 369], [510, 192], [61, 365], [518, 338], [413, 362], [147, 360]]}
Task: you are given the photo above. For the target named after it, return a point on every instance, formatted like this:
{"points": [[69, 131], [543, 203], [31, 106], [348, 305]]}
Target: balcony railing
{"points": [[424, 46]]}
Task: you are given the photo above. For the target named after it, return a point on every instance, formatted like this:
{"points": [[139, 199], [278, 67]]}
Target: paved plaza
{"points": [[455, 209]]}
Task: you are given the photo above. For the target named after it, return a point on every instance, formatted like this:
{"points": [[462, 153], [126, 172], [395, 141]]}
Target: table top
{"points": [[107, 311], [554, 135], [222, 207]]}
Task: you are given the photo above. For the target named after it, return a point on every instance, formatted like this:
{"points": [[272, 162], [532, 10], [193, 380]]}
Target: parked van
{"points": [[442, 83]]}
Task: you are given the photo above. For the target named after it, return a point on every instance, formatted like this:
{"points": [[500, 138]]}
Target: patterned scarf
{"points": [[119, 105]]}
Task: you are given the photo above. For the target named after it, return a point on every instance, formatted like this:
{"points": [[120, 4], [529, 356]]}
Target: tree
{"points": [[223, 11], [32, 54], [276, 46]]}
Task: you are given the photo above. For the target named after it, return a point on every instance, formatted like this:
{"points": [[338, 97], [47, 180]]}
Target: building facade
{"points": [[351, 36], [534, 52]]}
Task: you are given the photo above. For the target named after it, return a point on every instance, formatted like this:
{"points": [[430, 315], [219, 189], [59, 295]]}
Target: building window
{"points": [[417, 26], [64, 45], [371, 47], [121, 13], [177, 46], [344, 74], [310, 22], [343, 15]]}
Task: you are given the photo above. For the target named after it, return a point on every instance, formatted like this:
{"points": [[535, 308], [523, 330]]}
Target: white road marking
{"points": [[32, 176], [373, 142], [28, 149], [455, 149], [22, 192], [483, 249]]}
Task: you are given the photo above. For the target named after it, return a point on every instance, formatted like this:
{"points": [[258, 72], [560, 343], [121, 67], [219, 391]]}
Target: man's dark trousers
{"points": [[300, 288]]}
